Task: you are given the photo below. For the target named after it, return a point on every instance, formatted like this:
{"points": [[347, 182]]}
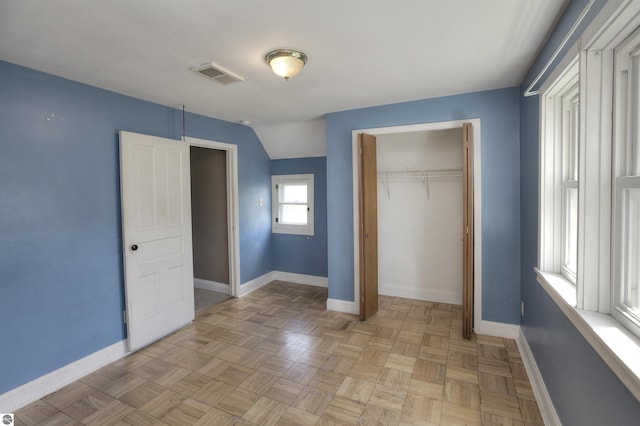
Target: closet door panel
{"points": [[368, 211], [467, 230]]}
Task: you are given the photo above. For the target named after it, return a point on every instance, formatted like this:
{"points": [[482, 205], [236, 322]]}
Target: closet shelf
{"points": [[423, 175]]}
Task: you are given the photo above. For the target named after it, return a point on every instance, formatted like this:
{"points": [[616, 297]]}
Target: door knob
{"points": [[134, 247]]}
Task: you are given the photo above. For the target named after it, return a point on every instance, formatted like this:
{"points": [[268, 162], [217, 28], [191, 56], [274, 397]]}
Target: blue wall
{"points": [[498, 111], [61, 276], [583, 388], [302, 254]]}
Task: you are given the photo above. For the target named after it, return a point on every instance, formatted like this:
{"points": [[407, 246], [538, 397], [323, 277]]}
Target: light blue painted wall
{"points": [[61, 275], [498, 111], [583, 388], [302, 254]]}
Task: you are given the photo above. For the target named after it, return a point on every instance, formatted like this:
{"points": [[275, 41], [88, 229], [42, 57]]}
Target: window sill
{"points": [[292, 230], [619, 349]]}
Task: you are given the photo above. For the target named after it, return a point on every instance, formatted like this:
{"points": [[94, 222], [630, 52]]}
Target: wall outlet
{"points": [[521, 308]]}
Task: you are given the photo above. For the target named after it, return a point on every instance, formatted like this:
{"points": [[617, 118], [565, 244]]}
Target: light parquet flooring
{"points": [[278, 357]]}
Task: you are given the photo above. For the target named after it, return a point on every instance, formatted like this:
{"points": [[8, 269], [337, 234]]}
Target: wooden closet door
{"points": [[467, 231], [368, 213]]}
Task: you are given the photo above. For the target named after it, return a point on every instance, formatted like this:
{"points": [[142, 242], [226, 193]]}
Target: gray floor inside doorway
{"points": [[207, 298]]}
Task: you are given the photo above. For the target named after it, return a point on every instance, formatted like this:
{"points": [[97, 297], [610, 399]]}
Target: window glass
{"points": [[294, 214], [634, 96], [294, 193], [631, 249], [571, 229]]}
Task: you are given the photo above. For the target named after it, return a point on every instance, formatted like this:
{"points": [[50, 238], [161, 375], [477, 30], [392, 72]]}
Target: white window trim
{"points": [[594, 184], [276, 226], [552, 184], [570, 113], [589, 308]]}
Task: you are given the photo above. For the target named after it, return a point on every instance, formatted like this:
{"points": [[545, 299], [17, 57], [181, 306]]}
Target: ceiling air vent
{"points": [[217, 73]]}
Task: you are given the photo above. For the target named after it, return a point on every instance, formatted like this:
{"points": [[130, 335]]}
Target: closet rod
{"points": [[425, 175], [418, 172]]}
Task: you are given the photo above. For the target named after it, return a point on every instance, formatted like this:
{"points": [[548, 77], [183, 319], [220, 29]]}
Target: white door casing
{"points": [[232, 206], [156, 228]]}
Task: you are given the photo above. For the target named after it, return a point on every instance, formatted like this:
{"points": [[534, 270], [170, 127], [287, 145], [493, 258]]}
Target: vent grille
{"points": [[217, 73]]}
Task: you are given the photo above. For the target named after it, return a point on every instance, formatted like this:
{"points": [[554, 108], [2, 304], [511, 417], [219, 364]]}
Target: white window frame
{"points": [[557, 171], [277, 184], [570, 144], [626, 173]]}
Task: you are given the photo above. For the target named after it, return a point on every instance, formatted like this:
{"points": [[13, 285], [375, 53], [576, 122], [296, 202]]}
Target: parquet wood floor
{"points": [[278, 357]]}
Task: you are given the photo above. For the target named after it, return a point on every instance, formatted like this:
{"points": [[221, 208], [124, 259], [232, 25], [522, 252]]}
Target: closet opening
{"points": [[423, 183]]}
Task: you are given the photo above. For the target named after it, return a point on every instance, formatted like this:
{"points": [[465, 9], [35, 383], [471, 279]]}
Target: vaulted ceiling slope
{"points": [[361, 52]]}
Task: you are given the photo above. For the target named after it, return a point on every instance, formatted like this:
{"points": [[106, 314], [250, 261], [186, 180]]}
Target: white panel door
{"points": [[156, 228]]}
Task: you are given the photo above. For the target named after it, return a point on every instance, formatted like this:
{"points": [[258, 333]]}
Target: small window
{"points": [[292, 204]]}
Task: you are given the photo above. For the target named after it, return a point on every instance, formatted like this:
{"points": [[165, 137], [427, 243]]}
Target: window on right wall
{"points": [[626, 173], [590, 177], [560, 112]]}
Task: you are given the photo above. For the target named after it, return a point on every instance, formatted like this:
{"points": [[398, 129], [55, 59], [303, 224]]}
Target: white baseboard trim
{"points": [[301, 279], [547, 410], [497, 329], [254, 284], [420, 294], [211, 285], [343, 306], [32, 391], [42, 386], [265, 279]]}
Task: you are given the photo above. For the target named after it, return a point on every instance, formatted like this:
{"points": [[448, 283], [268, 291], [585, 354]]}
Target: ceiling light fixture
{"points": [[286, 63]]}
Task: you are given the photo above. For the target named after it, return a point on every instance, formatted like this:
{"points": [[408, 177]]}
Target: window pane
{"points": [[634, 94], [294, 193], [573, 142], [631, 249], [570, 258], [294, 214]]}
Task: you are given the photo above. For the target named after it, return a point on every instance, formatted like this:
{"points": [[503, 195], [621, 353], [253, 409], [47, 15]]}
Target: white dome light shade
{"points": [[286, 63]]}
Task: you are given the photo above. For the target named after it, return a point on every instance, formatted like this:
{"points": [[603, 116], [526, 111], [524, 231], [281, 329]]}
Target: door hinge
{"points": [[276, 220], [124, 317]]}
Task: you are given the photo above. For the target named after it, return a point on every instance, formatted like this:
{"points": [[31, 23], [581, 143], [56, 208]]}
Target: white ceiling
{"points": [[361, 53]]}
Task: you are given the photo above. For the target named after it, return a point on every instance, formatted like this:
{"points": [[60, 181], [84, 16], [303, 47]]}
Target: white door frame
{"points": [[477, 201], [232, 206]]}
